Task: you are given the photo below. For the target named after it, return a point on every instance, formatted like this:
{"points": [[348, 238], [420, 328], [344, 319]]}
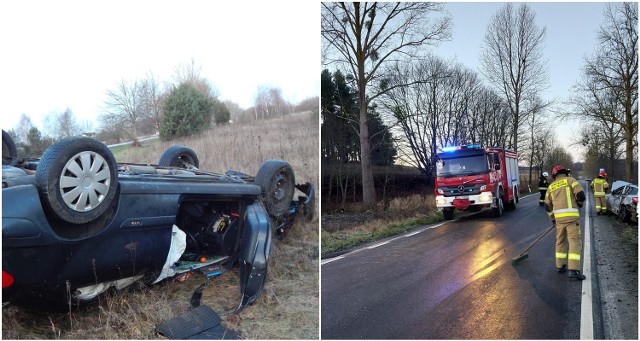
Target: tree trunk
{"points": [[629, 148], [368, 186]]}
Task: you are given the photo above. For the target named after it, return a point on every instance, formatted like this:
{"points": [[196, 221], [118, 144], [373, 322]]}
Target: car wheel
{"points": [[9, 150], [623, 214], [277, 181], [179, 156], [77, 179]]}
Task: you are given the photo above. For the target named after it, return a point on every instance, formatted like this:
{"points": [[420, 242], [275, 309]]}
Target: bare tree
{"points": [[269, 102], [152, 97], [192, 73], [125, 104], [615, 68], [62, 124], [559, 156], [365, 37], [511, 59], [23, 128]]}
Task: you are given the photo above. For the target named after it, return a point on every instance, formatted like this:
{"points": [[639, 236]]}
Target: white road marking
{"points": [[330, 260], [377, 245], [413, 233], [586, 309]]}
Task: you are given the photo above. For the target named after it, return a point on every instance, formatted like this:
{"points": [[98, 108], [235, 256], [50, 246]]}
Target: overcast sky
{"points": [[67, 54], [571, 35]]}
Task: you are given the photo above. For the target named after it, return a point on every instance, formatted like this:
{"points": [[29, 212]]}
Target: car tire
{"points": [[9, 150], [77, 179], [277, 180], [623, 214], [179, 156]]}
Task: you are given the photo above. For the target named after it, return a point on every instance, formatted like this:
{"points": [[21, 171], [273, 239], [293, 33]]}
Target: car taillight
{"points": [[635, 200], [7, 279]]}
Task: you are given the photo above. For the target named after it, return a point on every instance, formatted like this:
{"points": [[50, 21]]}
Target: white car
{"points": [[623, 200]]}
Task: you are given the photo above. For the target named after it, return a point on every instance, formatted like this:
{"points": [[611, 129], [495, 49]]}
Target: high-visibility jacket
{"points": [[543, 183], [599, 186], [561, 198]]}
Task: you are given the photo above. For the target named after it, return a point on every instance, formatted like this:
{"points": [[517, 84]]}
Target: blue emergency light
{"points": [[454, 148]]}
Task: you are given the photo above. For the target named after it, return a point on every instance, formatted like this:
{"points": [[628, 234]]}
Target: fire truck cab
{"points": [[472, 178]]}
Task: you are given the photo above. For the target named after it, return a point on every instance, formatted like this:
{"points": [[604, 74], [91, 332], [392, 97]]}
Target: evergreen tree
{"points": [[339, 129], [383, 151], [187, 111]]}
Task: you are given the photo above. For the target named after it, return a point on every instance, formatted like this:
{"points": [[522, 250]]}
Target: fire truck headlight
{"points": [[440, 200], [485, 197], [440, 191], [483, 187]]}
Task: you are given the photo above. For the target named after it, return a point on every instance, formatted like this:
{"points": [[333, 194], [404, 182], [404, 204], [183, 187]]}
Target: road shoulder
{"points": [[618, 278]]}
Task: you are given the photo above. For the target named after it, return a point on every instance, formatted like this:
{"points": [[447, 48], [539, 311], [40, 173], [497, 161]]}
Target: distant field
{"points": [[289, 305]]}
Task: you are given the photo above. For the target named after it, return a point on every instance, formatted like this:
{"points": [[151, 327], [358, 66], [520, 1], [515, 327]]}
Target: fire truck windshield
{"points": [[462, 165]]}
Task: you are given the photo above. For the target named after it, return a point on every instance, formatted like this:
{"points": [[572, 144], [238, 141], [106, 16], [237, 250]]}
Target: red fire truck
{"points": [[471, 178]]}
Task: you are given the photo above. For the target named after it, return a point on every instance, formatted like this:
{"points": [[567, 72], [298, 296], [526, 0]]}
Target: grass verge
{"points": [[357, 226], [333, 242]]}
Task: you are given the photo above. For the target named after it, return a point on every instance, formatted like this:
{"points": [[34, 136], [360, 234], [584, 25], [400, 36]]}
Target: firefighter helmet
{"points": [[545, 174], [603, 174], [557, 169]]}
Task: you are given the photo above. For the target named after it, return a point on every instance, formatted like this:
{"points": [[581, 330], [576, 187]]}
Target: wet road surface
{"points": [[454, 281]]}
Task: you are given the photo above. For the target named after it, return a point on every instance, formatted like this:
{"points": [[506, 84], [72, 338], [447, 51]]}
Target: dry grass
{"points": [[355, 226], [289, 305]]}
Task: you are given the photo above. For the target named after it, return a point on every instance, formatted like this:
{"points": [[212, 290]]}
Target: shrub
{"points": [[187, 111]]}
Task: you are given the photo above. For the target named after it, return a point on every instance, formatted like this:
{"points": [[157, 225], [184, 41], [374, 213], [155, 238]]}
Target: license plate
{"points": [[463, 198]]}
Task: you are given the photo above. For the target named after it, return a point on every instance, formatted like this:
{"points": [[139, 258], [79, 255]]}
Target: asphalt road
{"points": [[455, 281]]}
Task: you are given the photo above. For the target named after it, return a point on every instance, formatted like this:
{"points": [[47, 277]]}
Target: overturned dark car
{"points": [[75, 222]]}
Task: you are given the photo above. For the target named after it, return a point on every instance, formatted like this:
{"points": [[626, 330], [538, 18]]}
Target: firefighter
{"points": [[543, 183], [600, 186], [562, 201]]}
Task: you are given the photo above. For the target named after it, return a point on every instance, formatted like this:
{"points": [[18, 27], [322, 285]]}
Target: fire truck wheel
{"points": [[497, 211], [448, 213]]}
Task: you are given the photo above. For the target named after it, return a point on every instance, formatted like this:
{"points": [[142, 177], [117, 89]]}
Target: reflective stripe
{"points": [[574, 256], [562, 215], [561, 255], [542, 188], [598, 206], [569, 203], [549, 214], [599, 194], [564, 210]]}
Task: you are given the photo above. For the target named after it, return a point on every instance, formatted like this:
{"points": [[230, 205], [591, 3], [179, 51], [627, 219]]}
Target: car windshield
{"points": [[463, 165], [633, 191]]}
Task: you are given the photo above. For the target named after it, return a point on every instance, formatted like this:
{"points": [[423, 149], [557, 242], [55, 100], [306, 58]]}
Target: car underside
{"points": [[162, 220]]}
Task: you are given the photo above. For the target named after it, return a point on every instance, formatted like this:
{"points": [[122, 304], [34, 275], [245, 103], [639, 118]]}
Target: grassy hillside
{"points": [[289, 305]]}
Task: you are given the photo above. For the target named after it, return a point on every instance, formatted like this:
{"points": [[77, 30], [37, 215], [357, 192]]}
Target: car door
{"points": [[254, 255]]}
